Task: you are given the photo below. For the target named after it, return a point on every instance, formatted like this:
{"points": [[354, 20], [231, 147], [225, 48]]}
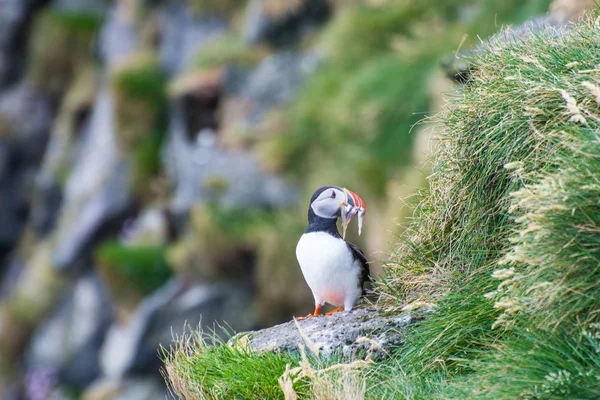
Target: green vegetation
{"points": [[219, 241], [203, 366], [140, 99], [514, 197], [206, 366], [132, 272], [60, 46], [146, 164], [239, 223], [139, 89], [227, 49], [360, 32]]}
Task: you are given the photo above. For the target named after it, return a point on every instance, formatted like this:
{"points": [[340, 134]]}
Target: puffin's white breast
{"points": [[329, 268]]}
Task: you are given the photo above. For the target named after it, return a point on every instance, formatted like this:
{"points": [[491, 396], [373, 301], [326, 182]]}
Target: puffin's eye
{"points": [[333, 194]]}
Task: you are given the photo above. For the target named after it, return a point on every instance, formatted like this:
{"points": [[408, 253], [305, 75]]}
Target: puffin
{"points": [[334, 269]]}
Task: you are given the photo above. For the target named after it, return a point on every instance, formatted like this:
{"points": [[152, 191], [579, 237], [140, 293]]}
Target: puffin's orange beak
{"points": [[351, 206]]}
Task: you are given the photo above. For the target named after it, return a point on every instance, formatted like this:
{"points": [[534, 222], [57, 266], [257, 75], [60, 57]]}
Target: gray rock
{"points": [[98, 190], [88, 6], [142, 389], [11, 268], [25, 117], [132, 349], [289, 27], [15, 22], [250, 95], [118, 36], [25, 121], [234, 79], [13, 208], [150, 227], [333, 334], [192, 166], [276, 81], [69, 341], [184, 35], [139, 388], [45, 206]]}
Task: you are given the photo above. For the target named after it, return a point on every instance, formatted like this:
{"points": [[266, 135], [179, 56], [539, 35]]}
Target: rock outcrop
{"points": [[350, 333]]}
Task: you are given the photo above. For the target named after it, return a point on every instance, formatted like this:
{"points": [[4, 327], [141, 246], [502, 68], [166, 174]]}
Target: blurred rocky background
{"points": [[156, 158]]}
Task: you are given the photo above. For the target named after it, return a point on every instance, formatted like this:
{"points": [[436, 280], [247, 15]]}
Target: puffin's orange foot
{"points": [[334, 311], [316, 313]]}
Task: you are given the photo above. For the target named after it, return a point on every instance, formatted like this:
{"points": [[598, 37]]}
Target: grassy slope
{"points": [[514, 197], [206, 367]]}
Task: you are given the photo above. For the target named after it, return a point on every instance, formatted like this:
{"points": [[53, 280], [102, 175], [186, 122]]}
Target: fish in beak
{"points": [[352, 205]]}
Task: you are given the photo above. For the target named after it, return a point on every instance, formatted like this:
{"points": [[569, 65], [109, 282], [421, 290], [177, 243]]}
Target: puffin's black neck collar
{"points": [[320, 224]]}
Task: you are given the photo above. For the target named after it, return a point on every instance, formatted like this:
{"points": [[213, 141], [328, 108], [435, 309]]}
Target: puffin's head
{"points": [[333, 201]]}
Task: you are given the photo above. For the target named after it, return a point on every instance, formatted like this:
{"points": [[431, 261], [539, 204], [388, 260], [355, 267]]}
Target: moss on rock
{"points": [[216, 370], [132, 272], [228, 49], [220, 242], [147, 165], [60, 46], [139, 89]]}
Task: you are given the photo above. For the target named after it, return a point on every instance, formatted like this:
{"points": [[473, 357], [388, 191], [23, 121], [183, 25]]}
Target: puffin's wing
{"points": [[365, 270]]}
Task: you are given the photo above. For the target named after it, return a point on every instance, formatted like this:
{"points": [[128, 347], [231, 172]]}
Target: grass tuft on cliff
{"points": [[203, 366], [227, 49], [139, 89], [132, 272], [506, 242]]}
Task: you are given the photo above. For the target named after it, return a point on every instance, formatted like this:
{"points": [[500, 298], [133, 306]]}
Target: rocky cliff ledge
{"points": [[350, 333]]}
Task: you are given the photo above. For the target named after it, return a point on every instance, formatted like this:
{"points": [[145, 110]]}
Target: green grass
{"points": [[539, 364], [140, 269], [514, 196], [146, 164], [76, 23], [227, 49], [139, 87], [555, 253], [143, 80], [361, 32], [204, 366]]}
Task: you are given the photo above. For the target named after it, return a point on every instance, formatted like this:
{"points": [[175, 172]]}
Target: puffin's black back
{"points": [[365, 271]]}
